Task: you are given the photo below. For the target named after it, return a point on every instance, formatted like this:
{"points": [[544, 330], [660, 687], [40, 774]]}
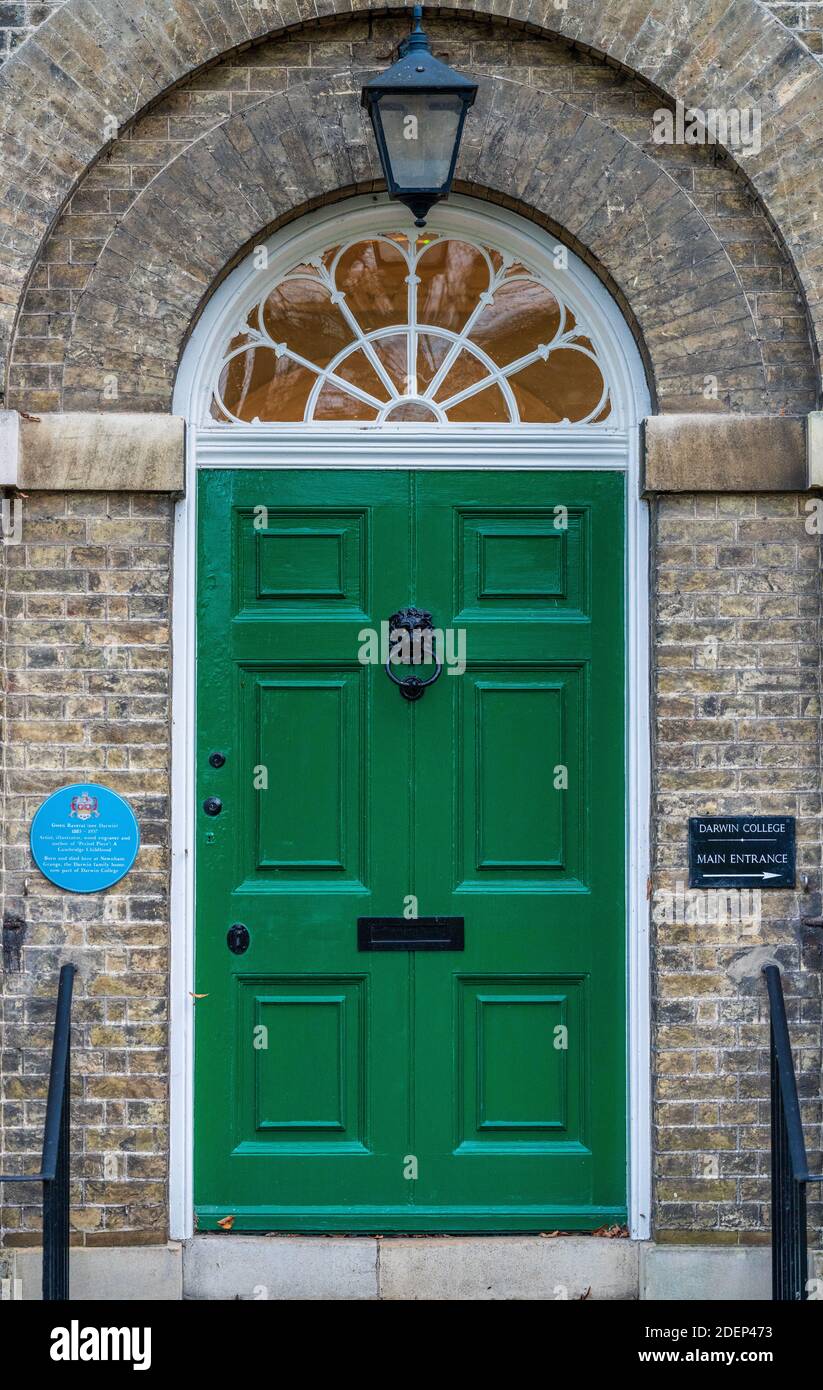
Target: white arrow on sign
{"points": [[731, 874]]}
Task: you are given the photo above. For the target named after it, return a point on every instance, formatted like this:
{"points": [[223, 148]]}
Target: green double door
{"points": [[338, 1087]]}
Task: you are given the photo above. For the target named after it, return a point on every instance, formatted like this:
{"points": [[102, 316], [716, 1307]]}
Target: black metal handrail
{"points": [[56, 1159], [790, 1166]]}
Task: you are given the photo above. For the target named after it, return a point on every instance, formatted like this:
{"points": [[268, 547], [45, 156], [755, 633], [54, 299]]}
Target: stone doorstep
{"points": [[450, 1268], [135, 1273]]}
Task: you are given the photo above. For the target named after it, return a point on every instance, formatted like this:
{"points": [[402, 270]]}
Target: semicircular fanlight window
{"points": [[436, 329]]}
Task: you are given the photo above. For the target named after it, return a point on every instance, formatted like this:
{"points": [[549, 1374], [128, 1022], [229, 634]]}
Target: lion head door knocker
{"points": [[411, 635]]}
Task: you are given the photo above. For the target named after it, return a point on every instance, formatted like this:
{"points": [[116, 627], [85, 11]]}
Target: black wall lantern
{"points": [[417, 108]]}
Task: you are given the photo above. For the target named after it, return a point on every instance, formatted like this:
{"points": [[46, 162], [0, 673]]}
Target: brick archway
{"points": [[82, 66], [296, 149]]}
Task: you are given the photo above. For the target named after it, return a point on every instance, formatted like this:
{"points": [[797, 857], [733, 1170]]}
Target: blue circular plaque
{"points": [[84, 838]]}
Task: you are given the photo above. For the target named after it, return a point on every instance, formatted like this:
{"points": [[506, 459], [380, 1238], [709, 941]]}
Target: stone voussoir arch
{"points": [[301, 147], [88, 63]]}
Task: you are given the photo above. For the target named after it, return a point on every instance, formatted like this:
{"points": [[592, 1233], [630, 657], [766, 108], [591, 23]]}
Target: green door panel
{"points": [[398, 1090]]}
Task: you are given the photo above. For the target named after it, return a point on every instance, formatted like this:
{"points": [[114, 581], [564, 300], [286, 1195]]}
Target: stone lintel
{"points": [[726, 453], [9, 447], [132, 452], [814, 447], [85, 452]]}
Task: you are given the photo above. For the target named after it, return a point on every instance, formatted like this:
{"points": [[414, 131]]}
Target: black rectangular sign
{"points": [[741, 852]]}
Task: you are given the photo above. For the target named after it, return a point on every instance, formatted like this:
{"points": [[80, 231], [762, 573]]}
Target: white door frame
{"points": [[401, 446]]}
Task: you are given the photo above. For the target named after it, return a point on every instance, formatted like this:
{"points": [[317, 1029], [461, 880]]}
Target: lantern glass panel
{"points": [[420, 130]]}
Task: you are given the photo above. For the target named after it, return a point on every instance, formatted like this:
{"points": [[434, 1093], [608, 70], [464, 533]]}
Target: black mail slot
{"points": [[400, 934]]}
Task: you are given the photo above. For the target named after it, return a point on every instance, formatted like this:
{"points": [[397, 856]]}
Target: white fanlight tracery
{"points": [[389, 327]]}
